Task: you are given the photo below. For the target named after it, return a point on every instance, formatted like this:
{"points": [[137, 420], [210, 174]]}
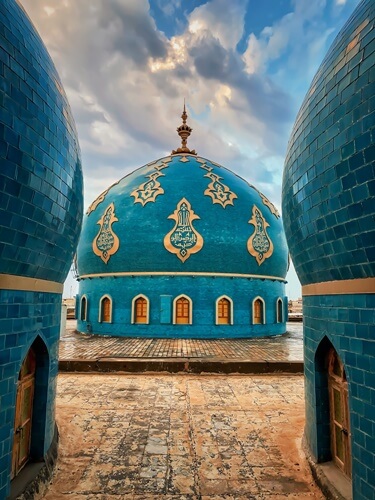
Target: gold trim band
{"points": [[343, 287], [168, 273], [12, 282]]}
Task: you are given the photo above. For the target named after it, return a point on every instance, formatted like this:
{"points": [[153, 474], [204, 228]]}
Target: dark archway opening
{"points": [[332, 408], [31, 408]]}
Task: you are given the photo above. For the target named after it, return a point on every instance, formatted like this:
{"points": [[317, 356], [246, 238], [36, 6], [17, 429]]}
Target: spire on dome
{"points": [[184, 131]]}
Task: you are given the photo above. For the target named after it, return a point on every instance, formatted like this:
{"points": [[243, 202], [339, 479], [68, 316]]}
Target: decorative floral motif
{"points": [[99, 199], [259, 244], [218, 191], [200, 160], [183, 240], [150, 190], [267, 203], [184, 159], [162, 163], [106, 242]]}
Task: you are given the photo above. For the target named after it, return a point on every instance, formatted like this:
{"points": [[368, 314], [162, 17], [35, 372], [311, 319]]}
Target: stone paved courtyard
{"points": [[288, 347], [180, 437]]}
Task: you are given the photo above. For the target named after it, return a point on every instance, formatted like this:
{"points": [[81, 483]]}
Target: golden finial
{"points": [[184, 131]]}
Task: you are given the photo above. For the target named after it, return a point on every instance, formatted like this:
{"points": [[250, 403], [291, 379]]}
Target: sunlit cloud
{"points": [[126, 79]]}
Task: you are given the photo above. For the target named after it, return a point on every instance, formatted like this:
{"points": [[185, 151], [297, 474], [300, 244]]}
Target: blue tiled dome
{"points": [[182, 213], [41, 199], [328, 185]]}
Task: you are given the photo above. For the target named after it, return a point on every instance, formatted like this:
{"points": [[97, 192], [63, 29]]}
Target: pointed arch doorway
{"points": [[339, 413], [23, 415]]}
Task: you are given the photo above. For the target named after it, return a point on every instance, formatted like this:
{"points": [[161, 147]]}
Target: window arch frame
{"points": [[278, 319], [184, 296], [83, 317], [231, 319], [100, 316], [133, 312], [258, 297]]}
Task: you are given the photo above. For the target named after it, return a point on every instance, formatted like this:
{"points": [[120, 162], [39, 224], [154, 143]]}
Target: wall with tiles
{"points": [[203, 291], [328, 206], [41, 205], [24, 318], [348, 323]]}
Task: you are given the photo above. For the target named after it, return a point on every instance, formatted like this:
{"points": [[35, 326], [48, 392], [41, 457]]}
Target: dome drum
{"points": [[202, 293]]}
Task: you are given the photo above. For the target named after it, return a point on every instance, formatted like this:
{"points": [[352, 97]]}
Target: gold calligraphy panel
{"points": [[106, 242], [259, 244], [183, 240]]}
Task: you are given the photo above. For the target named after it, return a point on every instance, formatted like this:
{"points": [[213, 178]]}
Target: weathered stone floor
{"points": [[180, 437], [288, 347]]}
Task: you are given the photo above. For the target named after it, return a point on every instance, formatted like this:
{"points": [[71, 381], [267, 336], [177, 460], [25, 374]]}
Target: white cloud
{"points": [[169, 7], [222, 19], [126, 82]]}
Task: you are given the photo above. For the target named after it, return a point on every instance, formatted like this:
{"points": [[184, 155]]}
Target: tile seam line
{"points": [[171, 273]]}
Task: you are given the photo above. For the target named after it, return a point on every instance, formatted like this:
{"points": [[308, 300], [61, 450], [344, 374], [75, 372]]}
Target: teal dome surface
{"points": [[182, 213], [328, 186], [41, 184]]}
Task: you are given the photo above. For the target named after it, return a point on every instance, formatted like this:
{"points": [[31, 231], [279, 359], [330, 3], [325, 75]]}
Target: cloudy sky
{"points": [[243, 66]]}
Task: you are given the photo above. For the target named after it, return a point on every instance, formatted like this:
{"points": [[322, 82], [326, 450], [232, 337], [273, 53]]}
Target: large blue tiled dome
{"points": [[41, 200], [328, 185], [146, 205], [182, 230]]}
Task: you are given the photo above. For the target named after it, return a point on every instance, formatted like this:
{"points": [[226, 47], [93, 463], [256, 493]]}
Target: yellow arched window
{"points": [[140, 310], [258, 311], [223, 311], [182, 311], [106, 310]]}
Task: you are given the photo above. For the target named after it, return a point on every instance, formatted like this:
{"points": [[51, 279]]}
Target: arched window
{"points": [[140, 310], [339, 413], [279, 310], [105, 309], [182, 310], [224, 311], [83, 315], [258, 311]]}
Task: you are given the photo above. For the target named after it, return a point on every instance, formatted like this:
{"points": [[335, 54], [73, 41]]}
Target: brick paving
{"points": [[176, 437], [289, 347]]}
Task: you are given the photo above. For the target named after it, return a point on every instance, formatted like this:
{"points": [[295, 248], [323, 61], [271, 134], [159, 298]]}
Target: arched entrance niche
{"points": [[339, 413], [31, 407], [332, 408]]}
